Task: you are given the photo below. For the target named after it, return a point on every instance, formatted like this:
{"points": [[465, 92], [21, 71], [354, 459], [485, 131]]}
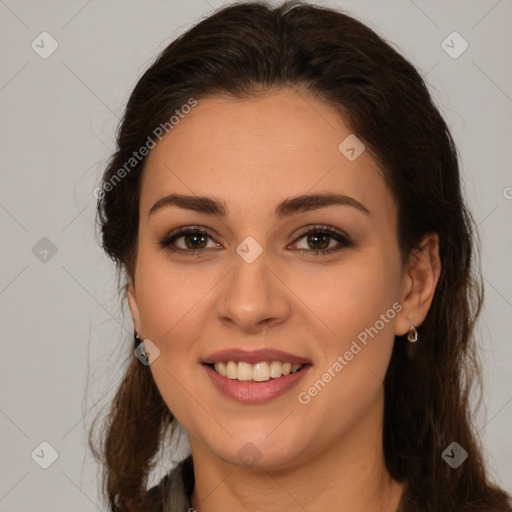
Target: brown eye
{"points": [[318, 241], [319, 238], [190, 240], [194, 241]]}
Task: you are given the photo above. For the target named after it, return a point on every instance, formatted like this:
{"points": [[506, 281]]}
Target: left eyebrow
{"points": [[286, 208], [310, 202]]}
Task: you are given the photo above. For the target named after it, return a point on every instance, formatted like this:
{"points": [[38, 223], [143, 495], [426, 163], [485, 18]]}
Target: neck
{"points": [[347, 475]]}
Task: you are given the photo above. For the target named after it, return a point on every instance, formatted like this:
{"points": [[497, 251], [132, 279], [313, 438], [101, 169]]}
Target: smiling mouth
{"points": [[259, 372]]}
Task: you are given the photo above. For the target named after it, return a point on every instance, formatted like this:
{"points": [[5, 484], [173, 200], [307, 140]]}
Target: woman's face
{"points": [[257, 282]]}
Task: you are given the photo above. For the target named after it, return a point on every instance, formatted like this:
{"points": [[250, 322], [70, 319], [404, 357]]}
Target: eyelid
{"points": [[323, 228], [190, 228]]}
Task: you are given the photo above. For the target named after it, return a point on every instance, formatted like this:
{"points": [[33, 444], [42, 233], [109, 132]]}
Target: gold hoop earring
{"points": [[412, 335]]}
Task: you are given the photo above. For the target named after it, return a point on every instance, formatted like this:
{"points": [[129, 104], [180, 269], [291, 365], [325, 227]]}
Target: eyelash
{"points": [[343, 239]]}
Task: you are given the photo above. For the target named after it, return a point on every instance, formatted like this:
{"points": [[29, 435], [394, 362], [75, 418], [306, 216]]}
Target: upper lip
{"points": [[256, 356]]}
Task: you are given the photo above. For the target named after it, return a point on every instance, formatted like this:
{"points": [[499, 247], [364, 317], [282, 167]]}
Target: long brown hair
{"points": [[245, 49]]}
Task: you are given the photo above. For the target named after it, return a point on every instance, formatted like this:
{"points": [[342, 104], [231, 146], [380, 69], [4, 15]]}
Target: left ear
{"points": [[419, 283]]}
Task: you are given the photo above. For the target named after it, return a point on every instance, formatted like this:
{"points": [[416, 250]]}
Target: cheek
{"points": [[349, 297], [358, 304], [172, 304], [359, 307], [169, 298]]}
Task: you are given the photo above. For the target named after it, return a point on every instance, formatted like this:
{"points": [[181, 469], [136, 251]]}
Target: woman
{"points": [[285, 204]]}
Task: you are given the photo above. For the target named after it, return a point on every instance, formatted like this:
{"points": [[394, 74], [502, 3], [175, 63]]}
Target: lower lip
{"points": [[255, 392]]}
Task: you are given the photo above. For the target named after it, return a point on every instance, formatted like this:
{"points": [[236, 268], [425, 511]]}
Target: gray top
{"points": [[172, 494]]}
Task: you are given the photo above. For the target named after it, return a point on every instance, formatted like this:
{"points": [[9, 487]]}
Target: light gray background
{"points": [[61, 320]]}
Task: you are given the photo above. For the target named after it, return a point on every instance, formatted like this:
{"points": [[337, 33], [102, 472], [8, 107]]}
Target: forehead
{"points": [[257, 150]]}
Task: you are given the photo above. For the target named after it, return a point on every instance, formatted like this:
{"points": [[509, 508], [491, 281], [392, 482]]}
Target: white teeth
{"points": [[275, 369], [221, 368], [244, 371], [259, 372], [231, 368]]}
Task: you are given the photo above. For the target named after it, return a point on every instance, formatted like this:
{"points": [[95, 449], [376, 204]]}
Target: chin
{"points": [[256, 454]]}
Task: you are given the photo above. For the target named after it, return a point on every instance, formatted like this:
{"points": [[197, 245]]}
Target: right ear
{"points": [[132, 303]]}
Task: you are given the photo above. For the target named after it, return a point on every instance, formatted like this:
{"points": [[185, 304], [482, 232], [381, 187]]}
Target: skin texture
{"points": [[252, 154]]}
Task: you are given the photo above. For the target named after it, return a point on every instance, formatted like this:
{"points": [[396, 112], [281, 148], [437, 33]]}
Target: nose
{"points": [[253, 296]]}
